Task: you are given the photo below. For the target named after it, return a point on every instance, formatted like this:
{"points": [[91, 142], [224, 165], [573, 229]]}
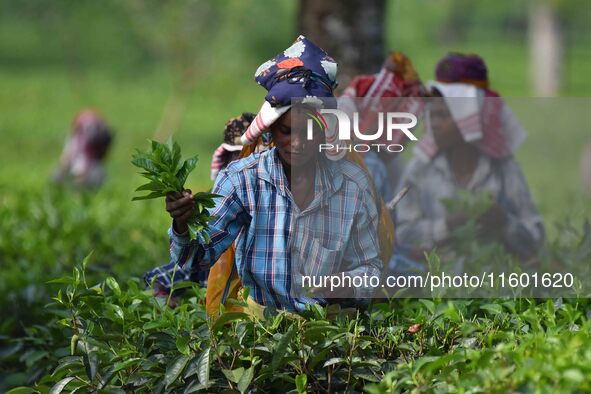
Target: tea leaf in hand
{"points": [[167, 173], [185, 169], [472, 203]]}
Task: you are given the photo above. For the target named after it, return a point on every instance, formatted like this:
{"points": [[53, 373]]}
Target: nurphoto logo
{"points": [[395, 122]]}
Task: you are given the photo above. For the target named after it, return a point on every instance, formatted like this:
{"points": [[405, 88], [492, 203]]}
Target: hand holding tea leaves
{"points": [[478, 207], [167, 174], [471, 203]]}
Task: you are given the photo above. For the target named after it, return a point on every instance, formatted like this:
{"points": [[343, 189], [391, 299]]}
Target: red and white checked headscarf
{"points": [[266, 116], [219, 160], [378, 93], [481, 117]]}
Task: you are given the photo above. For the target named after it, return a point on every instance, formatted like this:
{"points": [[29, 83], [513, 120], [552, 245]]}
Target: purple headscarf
{"points": [[461, 68]]}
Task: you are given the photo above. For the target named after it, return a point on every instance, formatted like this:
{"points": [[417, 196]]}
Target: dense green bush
{"points": [[107, 339], [98, 336]]}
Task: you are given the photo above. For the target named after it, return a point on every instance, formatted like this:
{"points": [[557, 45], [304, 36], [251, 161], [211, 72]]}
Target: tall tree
{"points": [[546, 47], [351, 31], [586, 168]]}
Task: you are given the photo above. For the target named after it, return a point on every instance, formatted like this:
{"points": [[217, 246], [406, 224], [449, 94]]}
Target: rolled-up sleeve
{"points": [[190, 259], [229, 218], [413, 228]]}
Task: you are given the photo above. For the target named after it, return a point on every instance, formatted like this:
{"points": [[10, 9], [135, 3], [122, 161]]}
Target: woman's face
{"points": [[445, 130], [290, 137]]}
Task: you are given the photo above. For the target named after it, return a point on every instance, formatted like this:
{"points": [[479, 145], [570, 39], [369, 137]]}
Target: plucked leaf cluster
{"points": [[473, 204], [167, 173]]}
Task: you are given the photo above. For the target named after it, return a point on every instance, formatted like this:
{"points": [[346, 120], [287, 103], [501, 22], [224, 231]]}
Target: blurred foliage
{"points": [[138, 33], [42, 234]]}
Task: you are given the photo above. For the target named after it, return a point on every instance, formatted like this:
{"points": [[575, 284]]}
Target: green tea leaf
{"points": [[152, 325], [227, 318], [301, 381], [90, 360], [234, 375], [64, 280], [205, 197], [182, 345], [126, 364], [164, 153], [245, 379], [113, 285], [333, 361], [59, 386], [152, 186], [167, 174], [146, 164], [281, 349], [176, 156], [74, 344], [203, 368], [183, 173], [492, 308], [175, 369], [149, 196], [22, 390]]}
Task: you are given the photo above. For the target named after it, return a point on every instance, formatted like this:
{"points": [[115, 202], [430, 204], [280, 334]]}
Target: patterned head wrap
{"points": [[303, 70]]}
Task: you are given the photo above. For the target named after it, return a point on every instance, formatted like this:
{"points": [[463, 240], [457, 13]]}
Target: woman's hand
{"points": [[493, 221], [180, 207], [456, 219]]}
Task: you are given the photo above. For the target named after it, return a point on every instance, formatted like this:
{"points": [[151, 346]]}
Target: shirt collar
{"points": [[270, 169], [483, 169]]}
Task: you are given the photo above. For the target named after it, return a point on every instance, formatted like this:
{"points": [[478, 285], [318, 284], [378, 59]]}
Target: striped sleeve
{"points": [[229, 219]]}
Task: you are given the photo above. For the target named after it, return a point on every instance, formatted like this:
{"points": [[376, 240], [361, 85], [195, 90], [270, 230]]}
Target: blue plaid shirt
{"points": [[276, 243]]}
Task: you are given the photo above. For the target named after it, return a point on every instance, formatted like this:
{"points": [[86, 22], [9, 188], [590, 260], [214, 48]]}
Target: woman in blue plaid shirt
{"points": [[290, 210]]}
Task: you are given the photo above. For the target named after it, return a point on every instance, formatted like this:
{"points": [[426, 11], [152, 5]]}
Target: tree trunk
{"points": [[546, 49], [586, 168], [351, 31]]}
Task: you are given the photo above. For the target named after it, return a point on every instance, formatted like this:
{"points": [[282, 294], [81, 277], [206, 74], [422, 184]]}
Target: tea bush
{"points": [[105, 338], [99, 330]]}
